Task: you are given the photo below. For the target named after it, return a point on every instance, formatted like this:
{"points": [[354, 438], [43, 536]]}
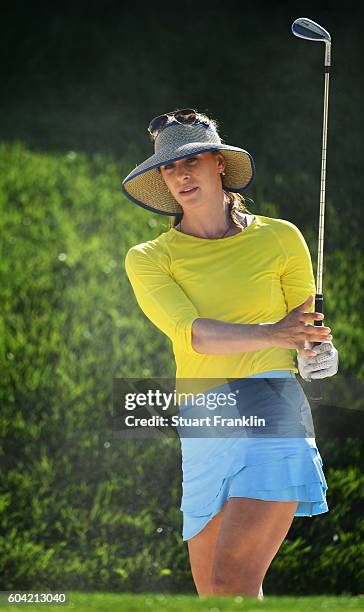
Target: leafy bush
{"points": [[78, 509]]}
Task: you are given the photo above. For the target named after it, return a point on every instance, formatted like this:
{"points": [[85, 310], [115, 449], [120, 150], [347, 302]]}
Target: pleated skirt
{"points": [[283, 464]]}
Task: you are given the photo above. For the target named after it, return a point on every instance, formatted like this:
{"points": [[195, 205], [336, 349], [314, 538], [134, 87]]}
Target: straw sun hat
{"points": [[145, 186]]}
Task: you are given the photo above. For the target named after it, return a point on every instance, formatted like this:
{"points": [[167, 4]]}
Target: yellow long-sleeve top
{"points": [[255, 276]]}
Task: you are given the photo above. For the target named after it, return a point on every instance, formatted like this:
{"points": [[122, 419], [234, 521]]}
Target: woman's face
{"points": [[200, 172]]}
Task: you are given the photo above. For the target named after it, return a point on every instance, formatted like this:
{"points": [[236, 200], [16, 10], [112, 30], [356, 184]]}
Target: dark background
{"points": [[89, 76]]}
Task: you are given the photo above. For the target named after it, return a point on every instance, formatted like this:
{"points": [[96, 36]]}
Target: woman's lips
{"points": [[188, 192]]}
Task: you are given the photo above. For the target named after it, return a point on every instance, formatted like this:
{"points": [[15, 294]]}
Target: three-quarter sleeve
{"points": [[161, 298], [297, 278]]}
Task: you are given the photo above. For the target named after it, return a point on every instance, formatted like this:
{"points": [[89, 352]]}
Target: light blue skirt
{"points": [[284, 465]]}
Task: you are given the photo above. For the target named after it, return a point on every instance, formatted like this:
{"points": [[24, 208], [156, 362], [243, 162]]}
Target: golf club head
{"points": [[306, 28]]}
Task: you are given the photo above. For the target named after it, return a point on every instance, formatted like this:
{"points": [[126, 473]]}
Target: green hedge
{"points": [[78, 509]]}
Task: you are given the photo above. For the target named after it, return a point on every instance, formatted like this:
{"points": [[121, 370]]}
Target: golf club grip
{"points": [[315, 388]]}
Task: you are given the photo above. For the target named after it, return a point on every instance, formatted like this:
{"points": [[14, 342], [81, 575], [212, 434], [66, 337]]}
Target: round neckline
{"points": [[200, 239]]}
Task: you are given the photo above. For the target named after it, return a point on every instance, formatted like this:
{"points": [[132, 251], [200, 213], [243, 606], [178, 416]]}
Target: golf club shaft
{"points": [[319, 298], [320, 253]]}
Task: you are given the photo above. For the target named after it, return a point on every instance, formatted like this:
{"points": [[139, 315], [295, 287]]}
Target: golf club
{"points": [[310, 30]]}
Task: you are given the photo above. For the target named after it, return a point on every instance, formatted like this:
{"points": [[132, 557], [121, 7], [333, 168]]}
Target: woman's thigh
{"points": [[201, 549], [250, 534]]}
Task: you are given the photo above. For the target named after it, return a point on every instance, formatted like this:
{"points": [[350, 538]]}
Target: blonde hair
{"points": [[235, 201]]}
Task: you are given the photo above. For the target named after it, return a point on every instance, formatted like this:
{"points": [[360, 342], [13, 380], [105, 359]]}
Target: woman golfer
{"points": [[234, 293]]}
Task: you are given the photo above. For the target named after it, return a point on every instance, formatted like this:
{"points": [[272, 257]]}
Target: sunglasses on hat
{"points": [[186, 116]]}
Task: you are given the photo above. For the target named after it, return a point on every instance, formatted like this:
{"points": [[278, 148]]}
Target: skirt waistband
{"points": [[274, 374]]}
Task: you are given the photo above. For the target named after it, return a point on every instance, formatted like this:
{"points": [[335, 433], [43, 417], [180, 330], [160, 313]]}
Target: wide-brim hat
{"points": [[145, 185]]}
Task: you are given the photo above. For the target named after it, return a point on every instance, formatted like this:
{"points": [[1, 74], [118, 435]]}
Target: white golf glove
{"points": [[324, 364]]}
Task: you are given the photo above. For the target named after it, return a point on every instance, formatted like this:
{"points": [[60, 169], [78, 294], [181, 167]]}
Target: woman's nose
{"points": [[182, 170]]}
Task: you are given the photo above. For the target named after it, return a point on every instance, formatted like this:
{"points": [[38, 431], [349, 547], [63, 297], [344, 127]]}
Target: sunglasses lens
{"points": [[186, 115], [157, 123]]}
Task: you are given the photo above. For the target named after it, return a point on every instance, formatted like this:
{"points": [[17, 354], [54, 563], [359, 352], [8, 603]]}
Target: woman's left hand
{"points": [[324, 364]]}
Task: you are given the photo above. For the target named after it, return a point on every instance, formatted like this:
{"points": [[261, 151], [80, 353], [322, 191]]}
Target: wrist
{"points": [[266, 331]]}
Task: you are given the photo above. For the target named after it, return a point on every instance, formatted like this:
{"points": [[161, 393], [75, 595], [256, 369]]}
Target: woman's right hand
{"points": [[294, 330]]}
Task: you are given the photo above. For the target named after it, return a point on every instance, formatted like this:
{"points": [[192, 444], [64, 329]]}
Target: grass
{"points": [[158, 602]]}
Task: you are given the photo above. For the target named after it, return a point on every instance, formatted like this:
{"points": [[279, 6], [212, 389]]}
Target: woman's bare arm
{"points": [[211, 336], [219, 338]]}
